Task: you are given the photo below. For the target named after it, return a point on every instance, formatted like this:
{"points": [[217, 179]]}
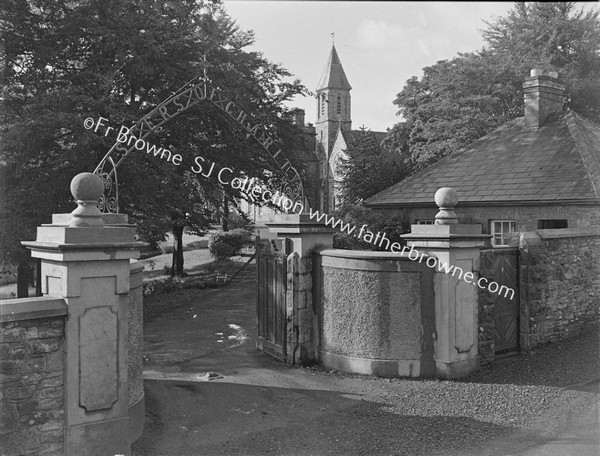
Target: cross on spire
{"points": [[332, 37]]}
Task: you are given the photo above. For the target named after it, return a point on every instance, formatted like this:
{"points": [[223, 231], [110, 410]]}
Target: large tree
{"points": [[457, 101], [367, 168], [63, 61]]}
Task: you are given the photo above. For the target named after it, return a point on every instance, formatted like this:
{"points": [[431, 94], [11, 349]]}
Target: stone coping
{"points": [[452, 230], [135, 266], [292, 219], [364, 254], [569, 232], [297, 224], [85, 235], [31, 308], [39, 245], [362, 260], [109, 219]]}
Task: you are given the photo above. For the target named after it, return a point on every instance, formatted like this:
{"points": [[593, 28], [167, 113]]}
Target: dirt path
{"points": [[257, 406]]}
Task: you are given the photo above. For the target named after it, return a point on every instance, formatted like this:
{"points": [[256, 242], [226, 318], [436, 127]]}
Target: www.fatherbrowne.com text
{"points": [[259, 193]]}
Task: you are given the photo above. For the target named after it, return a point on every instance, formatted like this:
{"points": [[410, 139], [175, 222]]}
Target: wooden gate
{"points": [[271, 259], [506, 310]]}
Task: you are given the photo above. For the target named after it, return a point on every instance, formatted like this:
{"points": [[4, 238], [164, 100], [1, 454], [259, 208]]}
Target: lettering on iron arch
{"points": [[185, 98]]}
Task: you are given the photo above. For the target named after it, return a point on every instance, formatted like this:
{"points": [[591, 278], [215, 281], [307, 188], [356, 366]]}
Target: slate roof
{"points": [[559, 162], [333, 76]]}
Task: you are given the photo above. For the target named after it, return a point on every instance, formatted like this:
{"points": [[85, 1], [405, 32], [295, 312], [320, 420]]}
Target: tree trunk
{"points": [[177, 263], [225, 214], [23, 279], [38, 277]]}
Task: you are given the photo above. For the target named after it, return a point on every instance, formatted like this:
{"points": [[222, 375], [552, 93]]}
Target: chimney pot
{"points": [[544, 95]]}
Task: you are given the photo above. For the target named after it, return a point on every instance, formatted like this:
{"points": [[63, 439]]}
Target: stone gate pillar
{"points": [[455, 246], [307, 236], [87, 264]]}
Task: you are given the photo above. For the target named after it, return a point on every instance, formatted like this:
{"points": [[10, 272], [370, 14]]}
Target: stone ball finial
{"points": [[87, 189], [446, 199]]}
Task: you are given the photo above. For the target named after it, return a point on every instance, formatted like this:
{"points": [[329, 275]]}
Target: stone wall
{"points": [[32, 370], [32, 351], [559, 288], [560, 284], [301, 315], [135, 371], [376, 309]]}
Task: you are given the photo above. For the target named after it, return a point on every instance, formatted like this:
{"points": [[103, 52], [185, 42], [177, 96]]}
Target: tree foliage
{"points": [[460, 100], [366, 169], [392, 226], [63, 61]]}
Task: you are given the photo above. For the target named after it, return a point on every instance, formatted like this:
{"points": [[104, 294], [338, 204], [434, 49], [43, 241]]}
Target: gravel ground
{"points": [[534, 393], [261, 407]]}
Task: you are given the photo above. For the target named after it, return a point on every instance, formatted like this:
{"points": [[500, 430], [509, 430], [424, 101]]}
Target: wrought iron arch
{"points": [[183, 99]]}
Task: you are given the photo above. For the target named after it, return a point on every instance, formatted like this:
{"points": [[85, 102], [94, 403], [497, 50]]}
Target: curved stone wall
{"points": [[135, 371], [376, 314]]}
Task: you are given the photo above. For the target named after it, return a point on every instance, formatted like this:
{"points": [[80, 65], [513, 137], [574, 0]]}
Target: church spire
{"points": [[334, 117], [333, 76]]}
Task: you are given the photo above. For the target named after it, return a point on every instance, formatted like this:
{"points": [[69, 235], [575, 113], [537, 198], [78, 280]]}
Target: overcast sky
{"points": [[380, 44]]}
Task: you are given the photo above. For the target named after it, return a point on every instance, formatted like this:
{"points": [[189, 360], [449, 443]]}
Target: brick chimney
{"points": [[299, 115], [544, 95]]}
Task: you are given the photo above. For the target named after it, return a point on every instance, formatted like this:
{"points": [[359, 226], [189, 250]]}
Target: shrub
{"points": [[225, 244], [8, 273], [237, 220], [393, 227]]}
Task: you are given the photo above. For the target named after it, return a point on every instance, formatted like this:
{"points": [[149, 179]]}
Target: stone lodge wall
{"points": [[560, 284], [559, 277], [32, 351], [577, 216]]}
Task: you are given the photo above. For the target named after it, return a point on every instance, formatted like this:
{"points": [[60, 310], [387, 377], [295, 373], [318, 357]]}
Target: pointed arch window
{"points": [[339, 104], [323, 101]]}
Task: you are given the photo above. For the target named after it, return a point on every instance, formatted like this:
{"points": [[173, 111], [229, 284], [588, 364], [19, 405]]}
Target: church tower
{"points": [[333, 116], [333, 104]]}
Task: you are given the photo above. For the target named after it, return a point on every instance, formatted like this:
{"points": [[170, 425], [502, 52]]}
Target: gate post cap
{"points": [[446, 199], [87, 189]]}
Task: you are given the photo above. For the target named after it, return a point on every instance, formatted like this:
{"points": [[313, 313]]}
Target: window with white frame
{"points": [[424, 222], [501, 231]]}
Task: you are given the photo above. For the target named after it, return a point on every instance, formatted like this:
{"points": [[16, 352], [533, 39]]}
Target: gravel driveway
{"points": [[529, 405]]}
